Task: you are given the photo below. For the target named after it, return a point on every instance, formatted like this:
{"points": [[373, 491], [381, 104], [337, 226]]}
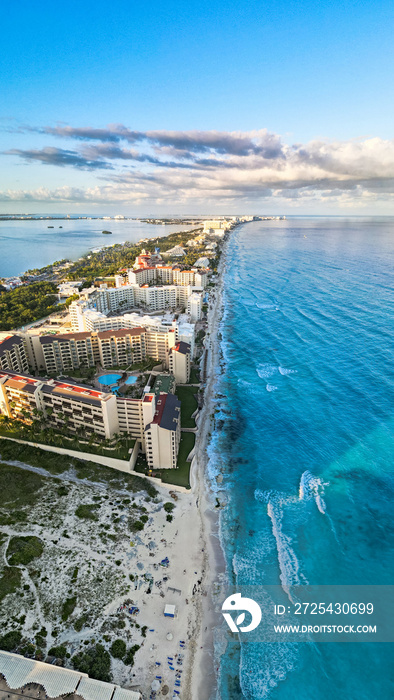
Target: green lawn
{"points": [[186, 395], [180, 476], [194, 376]]}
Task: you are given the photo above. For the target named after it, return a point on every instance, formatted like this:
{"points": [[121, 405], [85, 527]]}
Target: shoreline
{"points": [[203, 671]]}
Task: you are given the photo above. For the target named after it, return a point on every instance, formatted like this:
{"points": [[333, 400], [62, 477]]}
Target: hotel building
{"points": [[13, 354], [63, 404], [163, 433], [110, 348], [153, 420], [179, 362], [194, 307]]}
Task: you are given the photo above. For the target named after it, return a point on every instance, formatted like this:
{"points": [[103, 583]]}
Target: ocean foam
{"points": [[265, 370], [263, 667], [290, 573], [271, 387], [312, 487], [284, 371]]}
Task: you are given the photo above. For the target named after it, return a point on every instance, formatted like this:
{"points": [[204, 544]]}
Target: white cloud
{"points": [[205, 167]]}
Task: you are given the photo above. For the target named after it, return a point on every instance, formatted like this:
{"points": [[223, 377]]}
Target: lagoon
{"points": [[31, 244]]}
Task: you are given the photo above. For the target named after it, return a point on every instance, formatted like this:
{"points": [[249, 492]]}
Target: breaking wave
{"points": [[265, 370], [290, 573], [312, 487]]}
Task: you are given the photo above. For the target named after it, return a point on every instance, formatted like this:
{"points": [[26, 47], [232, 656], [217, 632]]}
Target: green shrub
{"points": [[10, 641], [22, 550], [96, 662], [118, 649], [169, 507], [60, 652], [87, 511], [129, 658], [78, 624], [68, 607], [10, 581]]}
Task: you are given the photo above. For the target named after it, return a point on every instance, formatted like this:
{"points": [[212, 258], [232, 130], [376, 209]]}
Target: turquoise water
{"points": [[25, 245], [131, 380], [308, 387], [108, 379]]}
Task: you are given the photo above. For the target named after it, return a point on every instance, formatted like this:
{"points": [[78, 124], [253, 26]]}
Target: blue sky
{"points": [[316, 76]]}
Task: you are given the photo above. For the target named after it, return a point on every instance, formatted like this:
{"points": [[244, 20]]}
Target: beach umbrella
{"points": [[170, 636], [155, 685]]}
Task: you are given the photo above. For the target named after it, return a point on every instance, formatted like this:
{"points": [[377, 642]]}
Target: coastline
{"points": [[203, 672]]}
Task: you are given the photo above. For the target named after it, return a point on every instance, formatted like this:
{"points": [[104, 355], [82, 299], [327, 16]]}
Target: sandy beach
{"points": [[197, 562]]}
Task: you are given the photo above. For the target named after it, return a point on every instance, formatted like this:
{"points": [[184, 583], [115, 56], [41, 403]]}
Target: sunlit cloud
{"points": [[211, 166]]}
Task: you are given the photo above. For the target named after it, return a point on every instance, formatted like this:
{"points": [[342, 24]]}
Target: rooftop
{"points": [[19, 671], [9, 342], [167, 415], [46, 339], [182, 347], [164, 383], [121, 333]]}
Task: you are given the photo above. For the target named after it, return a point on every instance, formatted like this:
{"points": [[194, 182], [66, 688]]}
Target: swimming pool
{"points": [[131, 380], [108, 379]]}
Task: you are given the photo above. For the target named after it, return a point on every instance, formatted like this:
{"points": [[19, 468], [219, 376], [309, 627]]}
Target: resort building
{"points": [[134, 415], [179, 362], [202, 262], [153, 298], [109, 348], [167, 275], [175, 252], [67, 352], [83, 411], [90, 320], [13, 354], [194, 307], [67, 289], [120, 348], [163, 433], [75, 407]]}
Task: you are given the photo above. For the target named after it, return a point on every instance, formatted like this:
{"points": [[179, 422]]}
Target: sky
{"points": [[197, 107]]}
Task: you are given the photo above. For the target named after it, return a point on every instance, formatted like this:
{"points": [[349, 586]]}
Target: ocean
{"points": [[307, 396], [25, 245]]}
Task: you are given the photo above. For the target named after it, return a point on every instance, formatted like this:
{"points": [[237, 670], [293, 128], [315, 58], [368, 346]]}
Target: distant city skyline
{"points": [[277, 108]]}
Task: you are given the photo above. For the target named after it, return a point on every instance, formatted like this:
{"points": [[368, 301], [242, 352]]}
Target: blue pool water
{"points": [[108, 379], [307, 342], [131, 380]]}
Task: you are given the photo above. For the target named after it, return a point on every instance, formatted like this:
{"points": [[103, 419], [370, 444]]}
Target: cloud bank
{"points": [[197, 167]]}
